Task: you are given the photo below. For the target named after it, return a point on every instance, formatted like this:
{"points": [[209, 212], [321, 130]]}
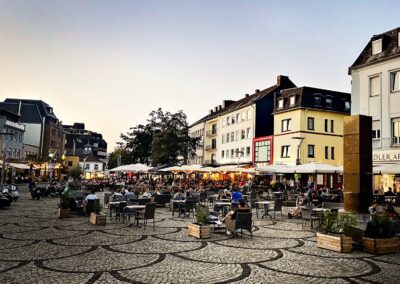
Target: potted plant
{"points": [[201, 228], [378, 236], [336, 231], [63, 211], [96, 217]]}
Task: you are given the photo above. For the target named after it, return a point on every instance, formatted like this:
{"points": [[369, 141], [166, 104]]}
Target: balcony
{"points": [[211, 133], [396, 141], [210, 148]]}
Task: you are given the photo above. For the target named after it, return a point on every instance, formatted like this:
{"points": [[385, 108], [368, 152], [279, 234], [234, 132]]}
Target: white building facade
{"points": [[376, 92], [197, 131]]}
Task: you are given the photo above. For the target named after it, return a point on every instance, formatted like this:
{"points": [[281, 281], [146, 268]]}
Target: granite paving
{"points": [[38, 247]]}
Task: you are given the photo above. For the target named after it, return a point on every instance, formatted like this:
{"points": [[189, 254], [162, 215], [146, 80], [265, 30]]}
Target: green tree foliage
{"points": [[75, 172], [119, 153], [163, 140]]}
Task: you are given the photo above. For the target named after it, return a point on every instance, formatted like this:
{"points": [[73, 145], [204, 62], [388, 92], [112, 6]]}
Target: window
{"points": [[395, 81], [347, 106], [326, 152], [214, 129], [237, 152], [249, 114], [237, 117], [214, 144], [227, 138], [233, 119], [232, 136], [280, 103], [376, 129], [248, 133], [332, 153], [332, 126], [376, 46], [285, 151], [292, 100], [69, 164], [317, 100], [87, 167], [326, 125], [374, 86], [310, 123], [223, 123], [262, 151], [243, 136], [243, 116], [96, 167], [328, 102], [227, 154], [237, 135], [286, 125], [223, 154], [311, 151], [223, 138], [396, 131], [232, 153], [242, 151], [248, 151], [228, 121]]}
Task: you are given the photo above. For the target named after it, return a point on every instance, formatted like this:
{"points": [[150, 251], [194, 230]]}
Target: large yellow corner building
{"points": [[308, 126]]}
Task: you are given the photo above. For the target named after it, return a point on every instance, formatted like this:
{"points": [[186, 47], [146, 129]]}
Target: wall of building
{"points": [[317, 137], [32, 134], [198, 131], [13, 145], [241, 143], [382, 105]]}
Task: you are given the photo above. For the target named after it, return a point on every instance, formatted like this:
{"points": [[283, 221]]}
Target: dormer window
{"points": [[292, 100], [280, 103], [317, 101], [328, 102], [376, 46]]}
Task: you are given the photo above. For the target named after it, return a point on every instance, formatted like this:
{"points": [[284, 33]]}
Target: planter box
{"points": [[199, 231], [335, 243], [63, 213], [390, 245], [98, 219]]}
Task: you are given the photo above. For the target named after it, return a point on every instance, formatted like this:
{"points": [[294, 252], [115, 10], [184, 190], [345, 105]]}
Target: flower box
{"points": [[338, 243], [199, 231], [388, 245], [98, 219], [63, 213]]}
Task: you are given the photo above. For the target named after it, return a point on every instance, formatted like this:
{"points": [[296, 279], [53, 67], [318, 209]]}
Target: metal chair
{"points": [[307, 216], [243, 222], [148, 213], [278, 206]]}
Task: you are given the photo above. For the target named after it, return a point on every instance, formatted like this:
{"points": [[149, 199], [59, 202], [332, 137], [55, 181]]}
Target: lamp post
{"points": [[298, 148], [4, 155]]}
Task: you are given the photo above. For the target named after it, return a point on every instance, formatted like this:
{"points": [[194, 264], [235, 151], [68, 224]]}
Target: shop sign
{"points": [[386, 156]]}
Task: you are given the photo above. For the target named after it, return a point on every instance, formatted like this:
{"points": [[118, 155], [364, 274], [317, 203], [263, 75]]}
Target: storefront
{"points": [[389, 160]]}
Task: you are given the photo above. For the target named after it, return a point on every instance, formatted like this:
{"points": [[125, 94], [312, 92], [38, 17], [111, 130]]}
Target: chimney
{"points": [[226, 103], [219, 107], [19, 108], [246, 95], [257, 91], [210, 111], [216, 109], [280, 79]]}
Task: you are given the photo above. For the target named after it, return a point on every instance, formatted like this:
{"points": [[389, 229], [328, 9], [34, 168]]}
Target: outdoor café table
{"points": [[222, 205], [135, 206], [277, 193], [179, 202], [266, 207], [113, 204], [320, 210]]}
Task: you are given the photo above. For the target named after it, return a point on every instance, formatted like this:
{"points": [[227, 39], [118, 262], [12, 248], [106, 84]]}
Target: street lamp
{"points": [[4, 155], [298, 148]]}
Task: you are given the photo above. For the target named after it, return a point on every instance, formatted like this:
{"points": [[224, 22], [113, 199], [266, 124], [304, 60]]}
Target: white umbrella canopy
{"points": [[174, 169], [118, 169], [315, 168], [277, 168], [226, 169], [393, 169], [137, 168]]}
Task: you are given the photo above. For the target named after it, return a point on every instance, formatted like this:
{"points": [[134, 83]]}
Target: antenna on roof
{"points": [[19, 108]]}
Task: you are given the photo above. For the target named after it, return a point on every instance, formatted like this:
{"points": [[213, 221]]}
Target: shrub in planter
{"points": [[96, 218], [378, 237], [336, 231], [200, 229], [63, 211]]}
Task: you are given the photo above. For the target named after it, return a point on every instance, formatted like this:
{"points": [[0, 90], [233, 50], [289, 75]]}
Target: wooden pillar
{"points": [[357, 159]]}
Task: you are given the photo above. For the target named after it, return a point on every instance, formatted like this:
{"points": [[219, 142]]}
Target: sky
{"points": [[110, 63]]}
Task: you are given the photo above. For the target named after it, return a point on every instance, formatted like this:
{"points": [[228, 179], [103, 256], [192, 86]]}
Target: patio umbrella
{"points": [[277, 168], [391, 169], [137, 168], [315, 168]]}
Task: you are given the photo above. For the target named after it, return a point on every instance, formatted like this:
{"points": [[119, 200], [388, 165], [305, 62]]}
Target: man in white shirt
{"points": [[91, 196]]}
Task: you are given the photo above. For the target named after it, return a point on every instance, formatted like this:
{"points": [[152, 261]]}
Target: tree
{"points": [[119, 153], [163, 140], [75, 173]]}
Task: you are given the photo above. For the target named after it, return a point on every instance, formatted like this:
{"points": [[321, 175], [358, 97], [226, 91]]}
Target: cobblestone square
{"points": [[37, 247]]}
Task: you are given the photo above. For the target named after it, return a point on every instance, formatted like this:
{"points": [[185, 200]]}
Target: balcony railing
{"points": [[211, 133], [210, 148]]}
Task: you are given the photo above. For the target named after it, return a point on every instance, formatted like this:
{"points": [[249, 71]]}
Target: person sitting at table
{"points": [[230, 218], [147, 193], [389, 192], [116, 193], [91, 196], [179, 195], [129, 194], [301, 200], [236, 195], [226, 194], [391, 213]]}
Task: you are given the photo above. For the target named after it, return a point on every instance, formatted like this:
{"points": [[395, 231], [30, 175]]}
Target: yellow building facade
{"points": [[309, 133]]}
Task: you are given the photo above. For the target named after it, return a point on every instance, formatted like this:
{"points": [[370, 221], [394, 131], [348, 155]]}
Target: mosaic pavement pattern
{"points": [[37, 247]]}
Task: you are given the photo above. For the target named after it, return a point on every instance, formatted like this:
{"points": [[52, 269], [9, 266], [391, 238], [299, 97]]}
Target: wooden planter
{"points": [[98, 219], [63, 213], [390, 245], [335, 243], [199, 231]]}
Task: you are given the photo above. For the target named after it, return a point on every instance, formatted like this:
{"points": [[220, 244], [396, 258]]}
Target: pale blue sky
{"points": [[109, 63]]}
